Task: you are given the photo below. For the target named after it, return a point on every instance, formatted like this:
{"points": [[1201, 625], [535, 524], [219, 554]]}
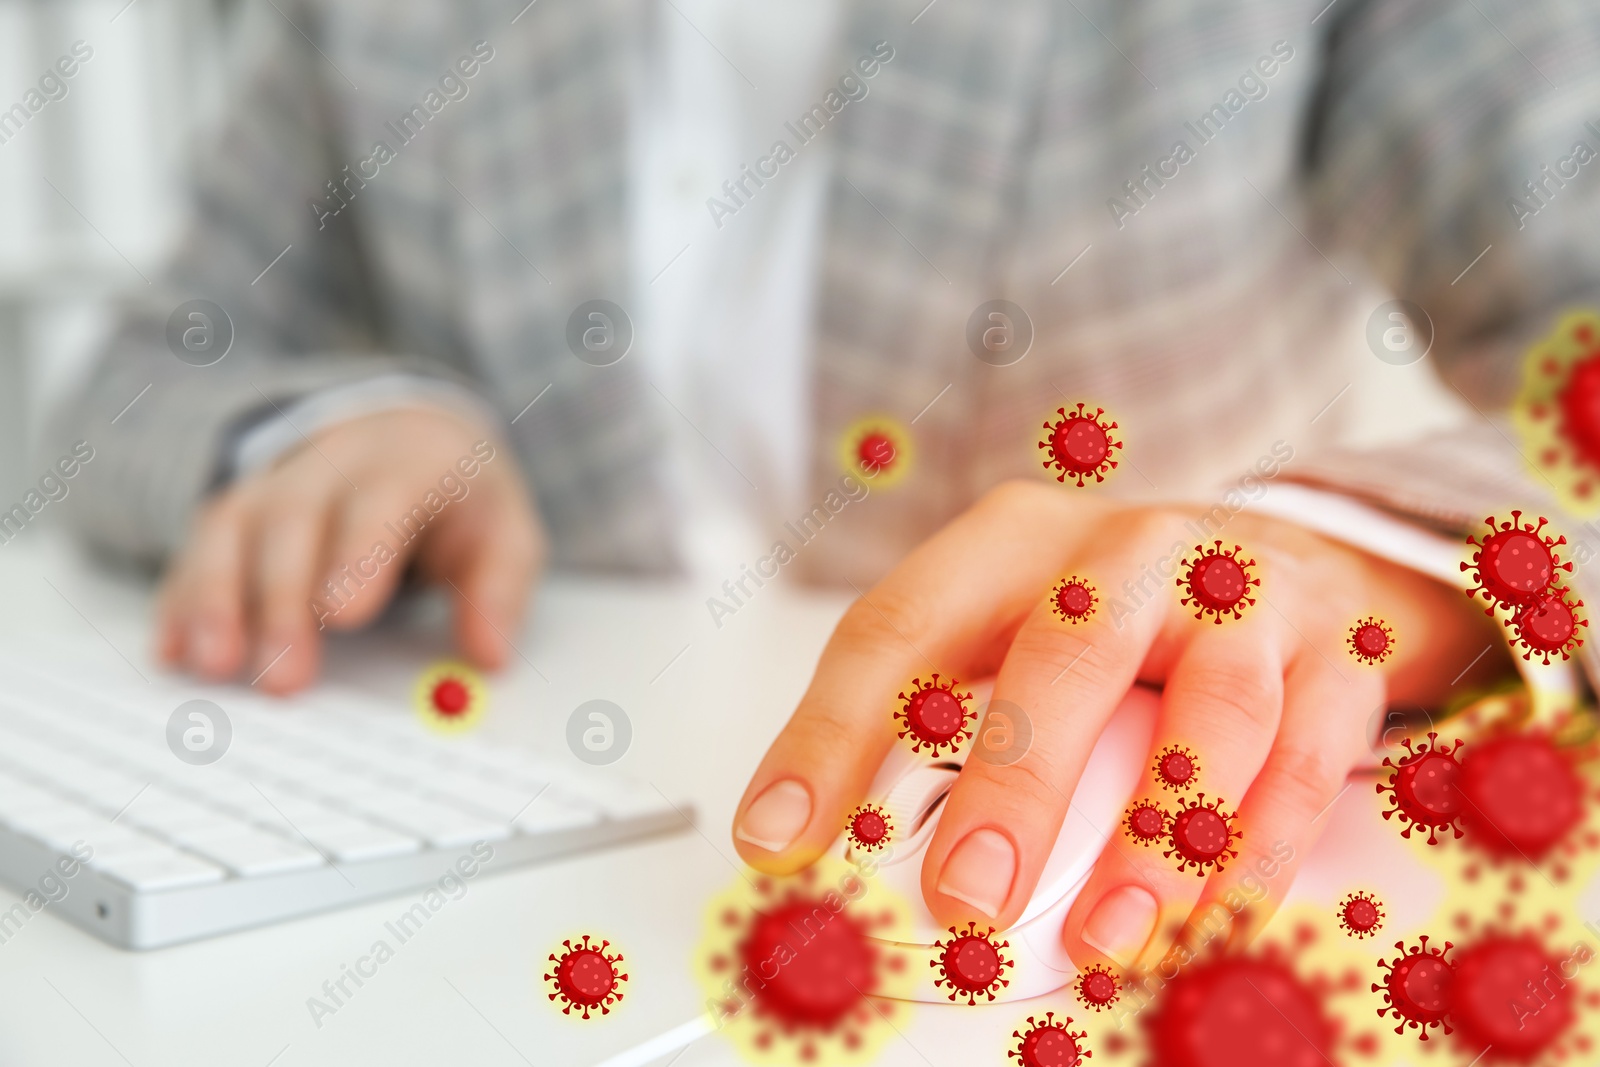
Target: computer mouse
{"points": [[912, 788]]}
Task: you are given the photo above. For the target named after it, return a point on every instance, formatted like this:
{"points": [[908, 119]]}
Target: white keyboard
{"points": [[318, 803]]}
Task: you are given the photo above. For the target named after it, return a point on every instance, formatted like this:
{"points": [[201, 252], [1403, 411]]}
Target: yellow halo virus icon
{"points": [[450, 697]]}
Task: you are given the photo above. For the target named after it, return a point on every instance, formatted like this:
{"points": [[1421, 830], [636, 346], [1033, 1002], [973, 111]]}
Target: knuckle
{"points": [[1312, 773], [1239, 695], [1092, 663], [885, 616]]}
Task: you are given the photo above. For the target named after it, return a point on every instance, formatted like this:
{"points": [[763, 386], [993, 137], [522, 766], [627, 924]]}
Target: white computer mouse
{"points": [[912, 788]]}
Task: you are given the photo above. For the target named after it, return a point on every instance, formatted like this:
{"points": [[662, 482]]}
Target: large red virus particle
{"points": [[802, 962], [1096, 987], [1515, 563], [1079, 445], [971, 964], [1243, 1010], [1522, 795], [1048, 1043], [1548, 625], [1508, 995], [1073, 599], [1146, 823], [1176, 768], [870, 828], [1371, 640], [1424, 787], [586, 977], [935, 715], [1201, 835], [1361, 915], [1417, 987], [1217, 583], [1557, 409]]}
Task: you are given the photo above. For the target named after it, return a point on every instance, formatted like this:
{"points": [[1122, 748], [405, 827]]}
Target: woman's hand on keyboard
{"points": [[1272, 703], [321, 539]]}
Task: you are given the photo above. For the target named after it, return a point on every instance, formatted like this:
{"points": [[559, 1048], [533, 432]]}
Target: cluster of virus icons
{"points": [[1517, 569], [1514, 794], [1196, 834]]}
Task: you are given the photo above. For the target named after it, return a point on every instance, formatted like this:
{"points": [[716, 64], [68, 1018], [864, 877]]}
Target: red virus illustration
{"points": [[1232, 1010], [875, 452], [1217, 582], [1146, 823], [870, 828], [1371, 640], [586, 977], [1508, 995], [1361, 915], [802, 963], [1096, 988], [1047, 1043], [1557, 409], [1079, 445], [1522, 795], [1425, 788], [1515, 1000], [935, 715], [1176, 768], [1417, 987], [1514, 563], [878, 448], [1548, 625], [1201, 835], [1074, 600], [450, 697], [971, 964]]}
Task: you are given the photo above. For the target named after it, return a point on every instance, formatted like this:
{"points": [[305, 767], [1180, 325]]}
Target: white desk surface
{"points": [[704, 704]]}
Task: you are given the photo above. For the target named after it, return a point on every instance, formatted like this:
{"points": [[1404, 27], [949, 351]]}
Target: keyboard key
{"points": [[152, 873], [255, 854], [545, 816], [354, 840]]}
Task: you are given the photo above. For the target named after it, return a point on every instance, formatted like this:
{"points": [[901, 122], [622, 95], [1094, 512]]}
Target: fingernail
{"points": [[205, 646], [980, 870], [777, 816], [1121, 924]]}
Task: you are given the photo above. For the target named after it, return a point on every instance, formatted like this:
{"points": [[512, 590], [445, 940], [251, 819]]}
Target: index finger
{"points": [[950, 607], [1002, 819]]}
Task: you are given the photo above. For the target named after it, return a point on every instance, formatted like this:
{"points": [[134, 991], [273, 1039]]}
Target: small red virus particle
{"points": [[875, 452], [1371, 640], [1425, 787], [870, 828], [1176, 768], [1079, 445], [935, 715], [1417, 988], [1074, 600], [1548, 625], [586, 977], [1514, 563], [1217, 582], [1201, 834], [971, 964], [1047, 1043], [1523, 795], [1097, 988], [1146, 823], [1238, 1010], [450, 697], [1361, 915], [1508, 994]]}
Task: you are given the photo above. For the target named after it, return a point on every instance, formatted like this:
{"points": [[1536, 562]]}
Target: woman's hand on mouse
{"points": [[1273, 705], [247, 593]]}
